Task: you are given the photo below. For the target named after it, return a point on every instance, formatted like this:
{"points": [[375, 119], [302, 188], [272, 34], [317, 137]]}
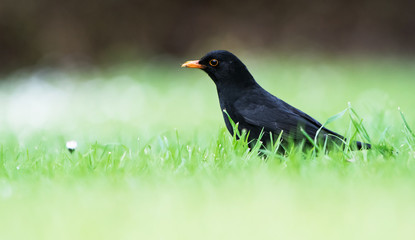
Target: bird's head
{"points": [[224, 68]]}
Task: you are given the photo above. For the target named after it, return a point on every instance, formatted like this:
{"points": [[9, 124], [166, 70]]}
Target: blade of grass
{"points": [[406, 123], [328, 121]]}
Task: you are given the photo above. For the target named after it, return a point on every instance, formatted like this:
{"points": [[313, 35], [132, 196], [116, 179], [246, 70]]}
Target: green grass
{"points": [[155, 162]]}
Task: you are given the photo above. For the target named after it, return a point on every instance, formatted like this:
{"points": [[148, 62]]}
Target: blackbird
{"points": [[259, 112]]}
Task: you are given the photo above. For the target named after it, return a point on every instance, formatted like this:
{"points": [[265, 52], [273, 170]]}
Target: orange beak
{"points": [[193, 64]]}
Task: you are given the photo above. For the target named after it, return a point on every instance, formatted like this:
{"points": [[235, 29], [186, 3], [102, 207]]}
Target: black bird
{"points": [[255, 109]]}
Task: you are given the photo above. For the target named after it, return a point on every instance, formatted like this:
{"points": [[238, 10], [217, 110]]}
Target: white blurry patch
{"points": [[71, 145], [33, 104], [68, 105], [100, 107]]}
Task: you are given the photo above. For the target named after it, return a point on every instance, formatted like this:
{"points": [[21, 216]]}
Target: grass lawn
{"points": [[154, 160]]}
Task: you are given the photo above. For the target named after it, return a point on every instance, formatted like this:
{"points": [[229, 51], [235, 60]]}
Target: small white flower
{"points": [[71, 145]]}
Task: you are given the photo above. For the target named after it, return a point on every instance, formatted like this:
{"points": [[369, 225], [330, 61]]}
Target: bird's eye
{"points": [[213, 62]]}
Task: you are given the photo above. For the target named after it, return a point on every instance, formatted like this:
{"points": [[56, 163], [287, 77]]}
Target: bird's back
{"points": [[256, 110]]}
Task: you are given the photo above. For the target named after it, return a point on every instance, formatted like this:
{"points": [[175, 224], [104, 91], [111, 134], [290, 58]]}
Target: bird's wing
{"points": [[274, 115]]}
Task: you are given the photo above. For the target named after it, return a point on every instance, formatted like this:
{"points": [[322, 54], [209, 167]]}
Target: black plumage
{"points": [[255, 109]]}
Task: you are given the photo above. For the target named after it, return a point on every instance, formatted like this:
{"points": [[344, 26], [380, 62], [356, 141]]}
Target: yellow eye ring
{"points": [[213, 62]]}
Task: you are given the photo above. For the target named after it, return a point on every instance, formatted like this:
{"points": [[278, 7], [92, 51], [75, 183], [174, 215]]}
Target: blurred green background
{"points": [[154, 160]]}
